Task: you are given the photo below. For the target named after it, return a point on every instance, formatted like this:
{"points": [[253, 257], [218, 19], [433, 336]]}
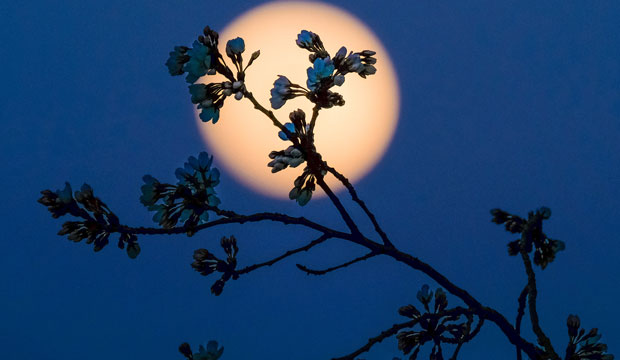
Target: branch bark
{"points": [[362, 204], [307, 247], [323, 272], [532, 293]]}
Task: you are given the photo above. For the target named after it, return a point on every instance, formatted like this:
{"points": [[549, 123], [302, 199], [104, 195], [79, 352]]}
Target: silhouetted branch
{"points": [[307, 247], [483, 312], [520, 313], [377, 339], [532, 293], [361, 203], [343, 212], [234, 218], [470, 335], [457, 311], [267, 113], [315, 115], [456, 350], [325, 271]]}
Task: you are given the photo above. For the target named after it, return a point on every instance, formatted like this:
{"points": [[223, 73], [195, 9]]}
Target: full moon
{"points": [[351, 138]]}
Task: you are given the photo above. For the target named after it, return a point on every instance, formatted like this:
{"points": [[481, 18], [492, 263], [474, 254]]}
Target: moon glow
{"points": [[351, 138]]}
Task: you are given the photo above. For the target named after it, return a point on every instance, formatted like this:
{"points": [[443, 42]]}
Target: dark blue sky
{"points": [[511, 104]]}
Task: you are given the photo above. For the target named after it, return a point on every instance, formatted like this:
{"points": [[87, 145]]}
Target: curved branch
{"points": [[307, 247], [483, 312], [315, 115], [264, 110], [343, 212], [233, 218], [362, 204], [325, 271], [520, 313], [532, 293], [377, 339], [397, 327]]}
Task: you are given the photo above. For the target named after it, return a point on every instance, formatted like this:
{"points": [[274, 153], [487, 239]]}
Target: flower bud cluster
{"points": [[98, 220], [211, 352], [435, 323], [206, 263], [210, 98], [532, 236], [284, 90], [311, 42], [203, 58], [189, 200], [323, 74], [303, 189], [291, 156], [582, 345], [361, 63]]}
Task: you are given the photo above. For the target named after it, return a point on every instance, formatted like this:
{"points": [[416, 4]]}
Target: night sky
{"points": [[511, 104]]}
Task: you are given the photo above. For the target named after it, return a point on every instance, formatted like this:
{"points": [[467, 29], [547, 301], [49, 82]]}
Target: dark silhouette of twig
{"points": [[379, 338], [235, 219], [520, 314], [532, 293], [307, 247], [483, 312], [362, 204], [264, 110], [325, 271], [343, 212], [457, 311]]}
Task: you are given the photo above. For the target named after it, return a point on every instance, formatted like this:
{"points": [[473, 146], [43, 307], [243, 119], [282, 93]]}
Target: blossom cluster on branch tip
{"points": [[209, 352], [204, 58], [582, 345], [324, 73], [206, 263], [190, 200], [532, 236], [98, 221], [438, 324]]}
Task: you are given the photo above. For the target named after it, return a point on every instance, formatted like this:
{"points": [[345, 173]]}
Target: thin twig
{"points": [[377, 339], [325, 271], [397, 327], [343, 212], [237, 219], [307, 247], [362, 204], [483, 312], [532, 293], [520, 313], [456, 350], [264, 110], [315, 115]]}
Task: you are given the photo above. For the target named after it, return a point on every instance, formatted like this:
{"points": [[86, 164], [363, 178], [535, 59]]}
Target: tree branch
{"points": [[377, 339], [233, 218], [520, 313], [397, 327], [325, 271], [343, 212], [264, 110], [483, 312], [315, 115], [532, 293], [307, 247], [361, 203]]}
